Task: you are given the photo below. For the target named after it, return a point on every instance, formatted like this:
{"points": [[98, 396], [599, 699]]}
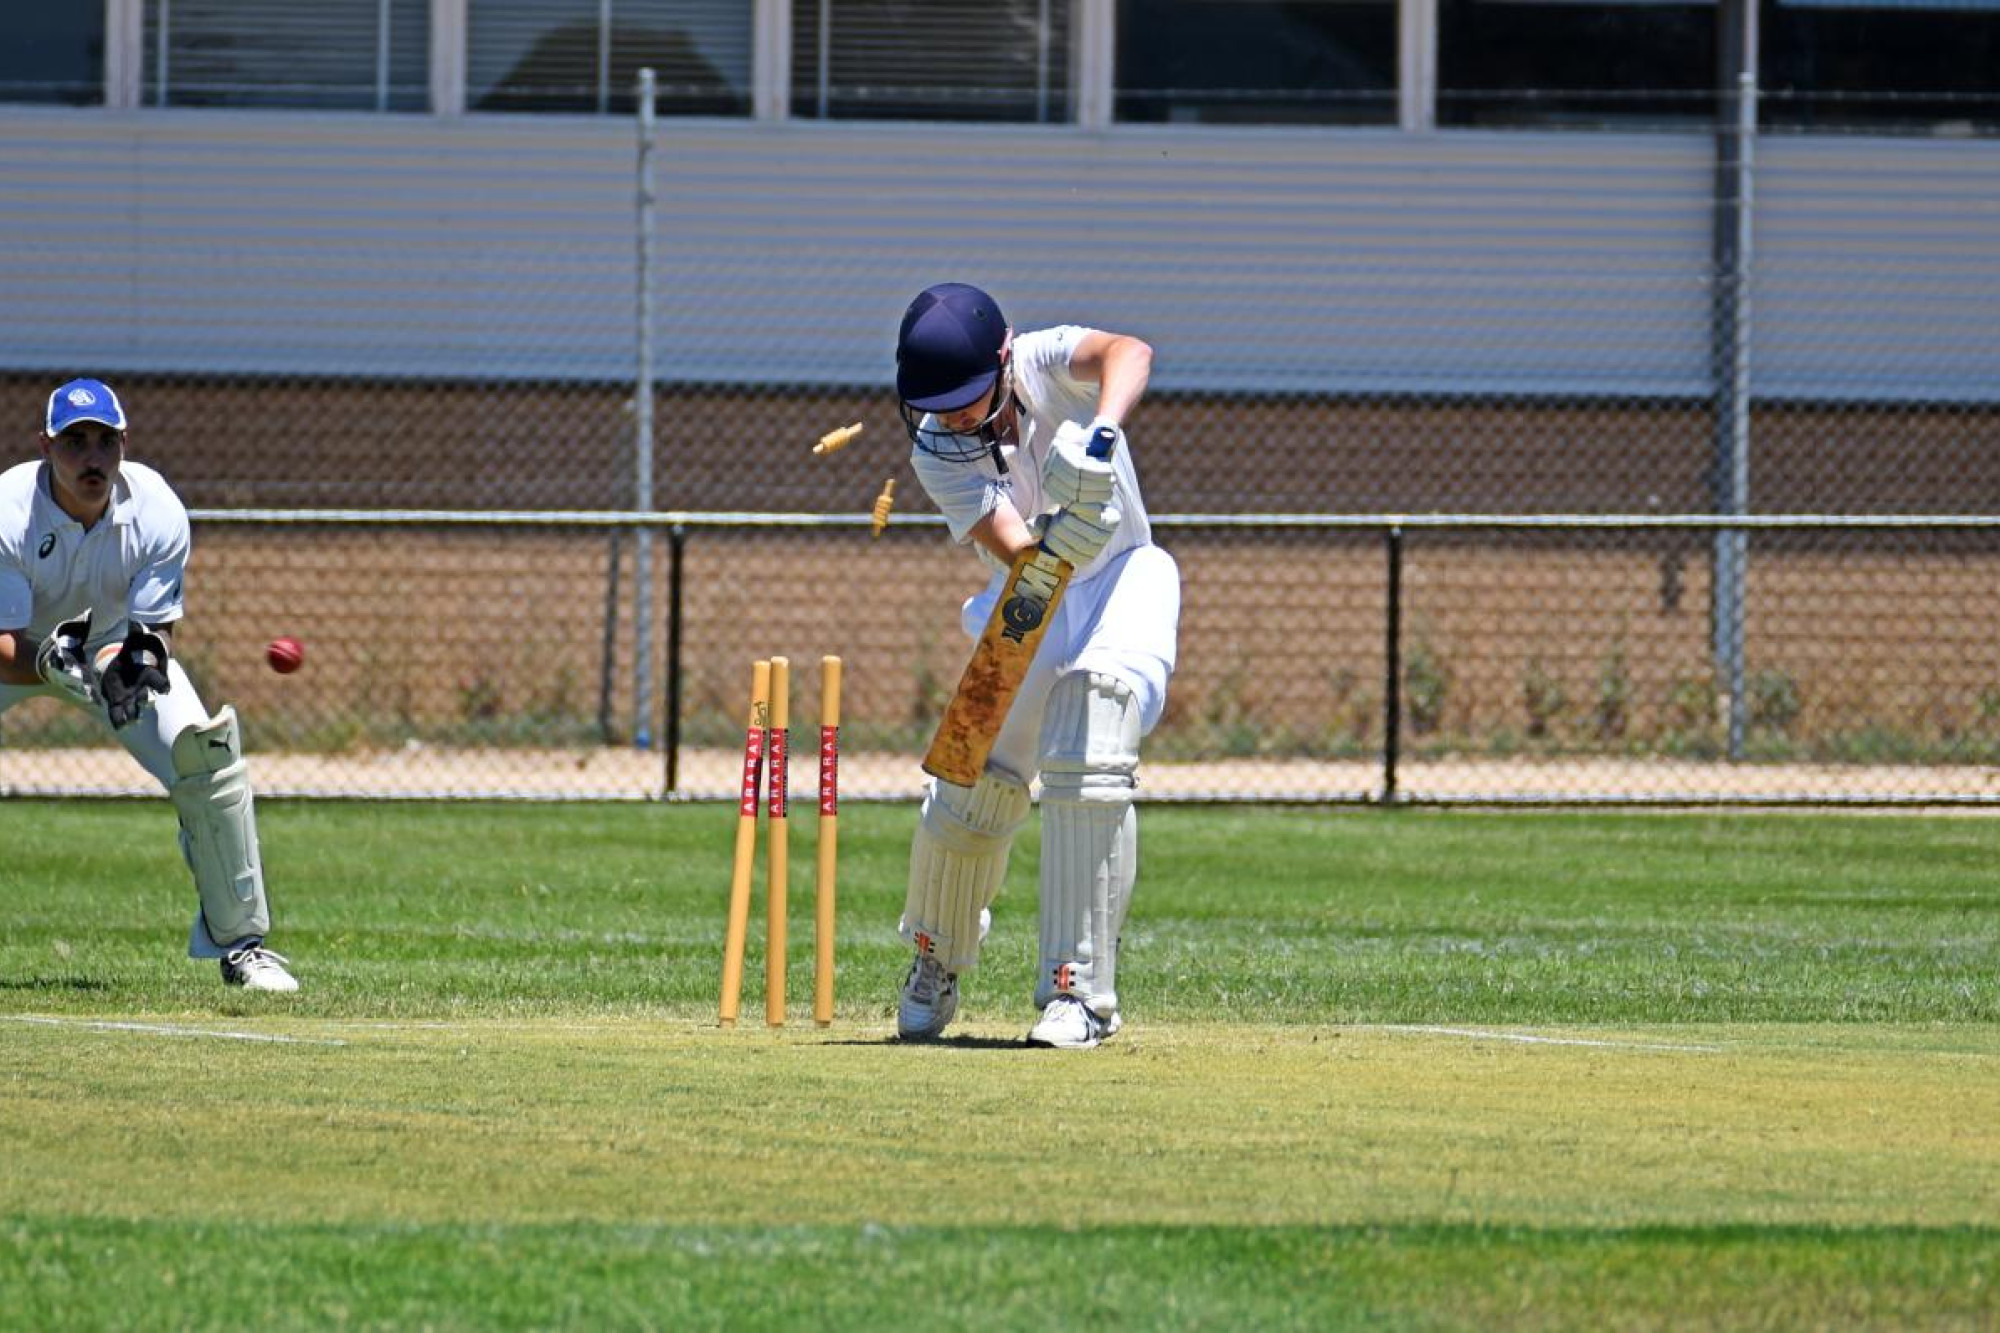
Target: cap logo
{"points": [[82, 398]]}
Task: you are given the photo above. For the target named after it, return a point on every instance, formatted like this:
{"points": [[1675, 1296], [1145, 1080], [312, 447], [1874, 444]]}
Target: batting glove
{"points": [[59, 662], [1072, 476], [1078, 533], [131, 678]]}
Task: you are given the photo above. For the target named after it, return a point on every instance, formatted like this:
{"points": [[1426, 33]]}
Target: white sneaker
{"points": [[253, 967], [1071, 1025], [930, 1000]]}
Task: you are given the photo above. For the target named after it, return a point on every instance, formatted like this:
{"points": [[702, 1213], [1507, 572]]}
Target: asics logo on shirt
{"points": [[48, 544]]}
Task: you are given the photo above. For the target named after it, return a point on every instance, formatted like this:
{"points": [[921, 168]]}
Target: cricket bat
{"points": [[1000, 660]]}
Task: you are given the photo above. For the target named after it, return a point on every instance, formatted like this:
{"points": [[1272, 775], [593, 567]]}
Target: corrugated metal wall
{"points": [[1877, 270], [1268, 260]]}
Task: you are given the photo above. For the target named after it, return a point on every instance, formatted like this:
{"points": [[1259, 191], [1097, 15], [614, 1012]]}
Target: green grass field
{"points": [[1414, 1069]]}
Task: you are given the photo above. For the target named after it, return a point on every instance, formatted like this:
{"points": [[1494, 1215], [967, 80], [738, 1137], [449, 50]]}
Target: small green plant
{"points": [[338, 735], [1772, 704], [1688, 717], [556, 701], [1544, 698], [1426, 686], [1985, 722], [1612, 713], [385, 690], [1356, 711], [1871, 743], [479, 700], [1229, 714], [1989, 705]]}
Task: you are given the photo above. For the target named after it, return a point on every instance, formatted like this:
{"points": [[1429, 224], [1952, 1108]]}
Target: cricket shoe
{"points": [[253, 967], [930, 1000], [1068, 1024]]}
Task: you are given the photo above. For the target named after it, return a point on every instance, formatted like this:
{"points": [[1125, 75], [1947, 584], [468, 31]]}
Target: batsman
{"points": [[1020, 443]]}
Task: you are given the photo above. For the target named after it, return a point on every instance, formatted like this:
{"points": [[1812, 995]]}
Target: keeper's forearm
{"points": [[17, 659]]}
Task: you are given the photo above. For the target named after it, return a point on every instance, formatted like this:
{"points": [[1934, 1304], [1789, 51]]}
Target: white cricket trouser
{"points": [[1123, 622], [150, 738]]}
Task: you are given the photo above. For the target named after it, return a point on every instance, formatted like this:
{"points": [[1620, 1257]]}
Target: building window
{"points": [[996, 60], [1595, 65], [53, 53], [354, 55], [1323, 62], [1925, 65], [585, 55]]}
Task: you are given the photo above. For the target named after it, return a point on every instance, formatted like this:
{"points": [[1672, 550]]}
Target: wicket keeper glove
{"points": [[59, 661], [1078, 533], [133, 676], [1072, 476]]}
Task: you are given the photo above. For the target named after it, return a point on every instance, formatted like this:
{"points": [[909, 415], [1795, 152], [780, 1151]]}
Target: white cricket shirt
{"points": [[1049, 395], [127, 566]]}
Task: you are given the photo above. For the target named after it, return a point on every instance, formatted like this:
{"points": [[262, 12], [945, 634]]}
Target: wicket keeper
{"points": [[92, 549], [999, 430]]}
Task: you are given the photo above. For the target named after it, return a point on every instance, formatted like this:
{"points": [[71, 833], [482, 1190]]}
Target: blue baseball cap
{"points": [[948, 350], [84, 400]]}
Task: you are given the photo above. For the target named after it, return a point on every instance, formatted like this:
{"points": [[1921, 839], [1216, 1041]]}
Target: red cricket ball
{"points": [[285, 655]]}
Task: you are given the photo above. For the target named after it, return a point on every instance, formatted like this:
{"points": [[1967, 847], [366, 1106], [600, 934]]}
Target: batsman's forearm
{"points": [[1128, 367], [1004, 534]]}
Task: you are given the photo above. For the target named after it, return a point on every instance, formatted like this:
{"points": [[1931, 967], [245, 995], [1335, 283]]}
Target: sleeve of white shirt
{"points": [[17, 597], [156, 588], [1044, 379]]}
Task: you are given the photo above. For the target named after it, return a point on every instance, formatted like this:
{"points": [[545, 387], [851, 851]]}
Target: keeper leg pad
{"points": [[1090, 836], [211, 793], [957, 862]]}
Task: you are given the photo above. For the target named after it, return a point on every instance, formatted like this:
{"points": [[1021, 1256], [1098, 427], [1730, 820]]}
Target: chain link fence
{"points": [[1347, 472], [1363, 658]]}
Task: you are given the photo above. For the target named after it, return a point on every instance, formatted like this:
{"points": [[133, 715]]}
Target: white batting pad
{"points": [[1090, 836], [211, 792], [957, 862]]}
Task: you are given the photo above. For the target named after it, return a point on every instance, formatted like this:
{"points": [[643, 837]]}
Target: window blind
{"points": [[334, 54], [931, 59], [585, 55]]}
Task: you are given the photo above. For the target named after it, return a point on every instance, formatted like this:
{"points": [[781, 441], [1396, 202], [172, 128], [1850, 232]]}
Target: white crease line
{"points": [[614, 1026], [1528, 1039], [169, 1030]]}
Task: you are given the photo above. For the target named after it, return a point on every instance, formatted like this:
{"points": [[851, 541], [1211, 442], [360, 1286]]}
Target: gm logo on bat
{"points": [[1028, 600]]}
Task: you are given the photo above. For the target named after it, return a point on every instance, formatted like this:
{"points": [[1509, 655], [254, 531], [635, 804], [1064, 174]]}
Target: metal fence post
{"points": [[642, 481], [1730, 354], [676, 551], [1392, 654]]}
